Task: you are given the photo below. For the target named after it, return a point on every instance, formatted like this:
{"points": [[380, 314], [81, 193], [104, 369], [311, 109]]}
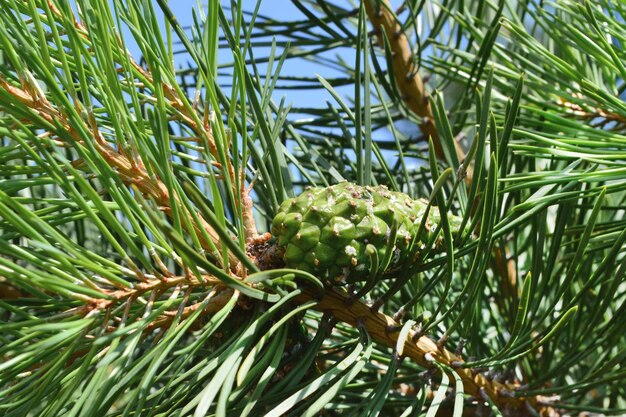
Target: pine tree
{"points": [[138, 276]]}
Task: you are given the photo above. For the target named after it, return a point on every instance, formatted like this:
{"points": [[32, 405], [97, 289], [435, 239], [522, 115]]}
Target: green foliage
{"points": [[133, 282]]}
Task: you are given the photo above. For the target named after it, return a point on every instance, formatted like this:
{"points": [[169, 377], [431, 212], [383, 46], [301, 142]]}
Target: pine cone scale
{"points": [[325, 231]]}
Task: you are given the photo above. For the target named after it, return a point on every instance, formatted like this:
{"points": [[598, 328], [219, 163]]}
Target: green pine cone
{"points": [[326, 231]]}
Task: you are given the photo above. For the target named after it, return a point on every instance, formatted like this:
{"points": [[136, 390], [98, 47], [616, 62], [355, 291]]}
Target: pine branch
{"points": [[129, 167], [92, 195], [414, 94], [406, 72], [204, 134], [422, 350]]}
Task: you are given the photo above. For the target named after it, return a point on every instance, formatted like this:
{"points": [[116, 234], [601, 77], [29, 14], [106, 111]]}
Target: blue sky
{"points": [[277, 9]]}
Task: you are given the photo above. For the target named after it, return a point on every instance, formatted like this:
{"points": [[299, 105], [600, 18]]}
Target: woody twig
{"points": [[201, 129], [408, 80], [423, 351], [131, 170], [415, 96]]}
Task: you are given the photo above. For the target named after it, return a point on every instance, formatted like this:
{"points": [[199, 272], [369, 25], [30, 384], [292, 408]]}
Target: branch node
{"points": [[442, 341], [410, 75], [392, 328], [506, 393], [456, 364], [399, 315]]}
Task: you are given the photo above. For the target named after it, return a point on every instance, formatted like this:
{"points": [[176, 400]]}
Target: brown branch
{"points": [[415, 97], [162, 285], [591, 114], [132, 172], [159, 286], [219, 297], [201, 129], [422, 350], [405, 71]]}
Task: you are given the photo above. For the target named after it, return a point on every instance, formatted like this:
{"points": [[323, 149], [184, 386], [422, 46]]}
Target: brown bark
{"points": [[414, 94], [422, 350], [408, 80]]}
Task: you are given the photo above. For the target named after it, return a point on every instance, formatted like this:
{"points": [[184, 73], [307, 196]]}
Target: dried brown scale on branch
{"points": [[219, 293], [605, 117], [265, 255], [218, 296], [165, 284]]}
